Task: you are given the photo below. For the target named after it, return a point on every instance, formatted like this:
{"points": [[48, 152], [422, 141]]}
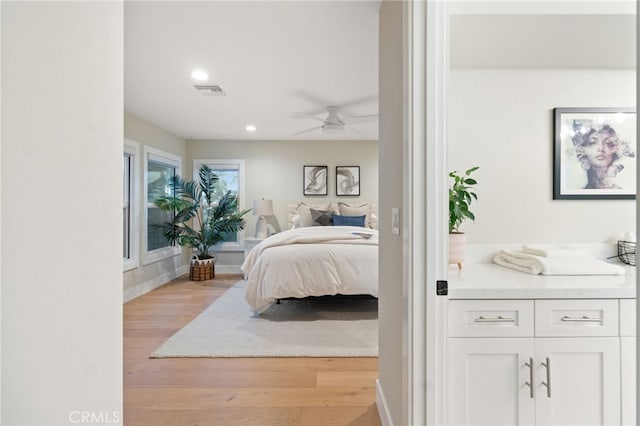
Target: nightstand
{"points": [[249, 244]]}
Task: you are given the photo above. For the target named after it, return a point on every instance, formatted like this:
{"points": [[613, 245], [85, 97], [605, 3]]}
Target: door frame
{"points": [[425, 206]]}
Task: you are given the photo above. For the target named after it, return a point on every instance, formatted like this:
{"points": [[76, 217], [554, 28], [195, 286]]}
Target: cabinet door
{"points": [[583, 375], [486, 382], [628, 379]]}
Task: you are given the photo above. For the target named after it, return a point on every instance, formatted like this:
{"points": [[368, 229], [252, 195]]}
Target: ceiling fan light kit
{"points": [[333, 128]]}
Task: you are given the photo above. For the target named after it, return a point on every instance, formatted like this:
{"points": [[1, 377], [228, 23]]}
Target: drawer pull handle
{"points": [[498, 319], [547, 384], [530, 382], [583, 319]]}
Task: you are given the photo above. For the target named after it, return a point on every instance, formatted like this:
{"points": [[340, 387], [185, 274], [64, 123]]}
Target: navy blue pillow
{"points": [[339, 220]]}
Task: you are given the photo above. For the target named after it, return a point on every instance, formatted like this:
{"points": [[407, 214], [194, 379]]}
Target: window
{"points": [[160, 168], [231, 174], [130, 204]]}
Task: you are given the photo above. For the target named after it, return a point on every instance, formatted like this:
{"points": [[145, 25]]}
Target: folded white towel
{"points": [[529, 263], [519, 261], [563, 251]]}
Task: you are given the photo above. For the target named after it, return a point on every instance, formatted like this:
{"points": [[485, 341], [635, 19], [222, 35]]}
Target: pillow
{"points": [[305, 213], [295, 222], [348, 210], [321, 217], [339, 220]]}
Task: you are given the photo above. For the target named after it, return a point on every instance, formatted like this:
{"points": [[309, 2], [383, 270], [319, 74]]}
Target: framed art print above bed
{"points": [[314, 180], [594, 153], [348, 181]]}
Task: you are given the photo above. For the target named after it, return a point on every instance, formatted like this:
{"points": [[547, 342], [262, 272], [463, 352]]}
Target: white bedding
{"points": [[313, 261]]}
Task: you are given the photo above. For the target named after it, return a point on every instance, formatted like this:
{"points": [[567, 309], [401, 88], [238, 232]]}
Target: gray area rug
{"points": [[314, 327]]}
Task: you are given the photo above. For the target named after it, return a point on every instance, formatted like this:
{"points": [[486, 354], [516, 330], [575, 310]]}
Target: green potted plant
{"points": [[201, 219], [460, 197]]}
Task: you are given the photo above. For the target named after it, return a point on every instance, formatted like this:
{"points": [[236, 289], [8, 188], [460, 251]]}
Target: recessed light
{"points": [[199, 75], [251, 128]]}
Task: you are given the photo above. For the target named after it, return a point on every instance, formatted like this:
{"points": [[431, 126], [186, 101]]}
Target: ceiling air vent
{"points": [[210, 90]]}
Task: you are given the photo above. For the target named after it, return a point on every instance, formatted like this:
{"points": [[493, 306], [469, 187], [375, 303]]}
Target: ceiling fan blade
{"points": [[302, 114], [365, 117], [306, 131], [316, 100]]}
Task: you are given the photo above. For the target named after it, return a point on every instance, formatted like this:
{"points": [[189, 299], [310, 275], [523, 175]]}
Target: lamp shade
{"points": [[263, 207]]}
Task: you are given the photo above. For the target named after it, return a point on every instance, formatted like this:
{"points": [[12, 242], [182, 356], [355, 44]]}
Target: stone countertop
{"points": [[491, 281]]}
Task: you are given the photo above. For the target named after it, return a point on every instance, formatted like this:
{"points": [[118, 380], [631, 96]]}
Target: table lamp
{"points": [[262, 208]]}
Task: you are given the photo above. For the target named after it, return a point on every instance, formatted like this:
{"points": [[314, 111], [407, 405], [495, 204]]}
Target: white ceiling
{"points": [[276, 59], [273, 60]]}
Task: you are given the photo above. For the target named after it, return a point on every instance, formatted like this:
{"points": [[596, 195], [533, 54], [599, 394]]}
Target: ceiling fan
{"points": [[334, 123]]}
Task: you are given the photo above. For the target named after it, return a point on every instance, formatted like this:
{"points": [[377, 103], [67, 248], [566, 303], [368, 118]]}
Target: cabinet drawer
{"points": [[627, 317], [490, 318], [576, 318]]}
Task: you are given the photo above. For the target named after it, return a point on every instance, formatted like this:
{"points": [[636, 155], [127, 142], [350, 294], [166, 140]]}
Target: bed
{"points": [[313, 261]]}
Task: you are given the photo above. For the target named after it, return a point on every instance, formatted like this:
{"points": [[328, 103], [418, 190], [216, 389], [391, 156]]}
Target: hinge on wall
{"points": [[442, 288]]}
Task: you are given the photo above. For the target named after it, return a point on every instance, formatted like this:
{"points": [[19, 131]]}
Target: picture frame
{"points": [[314, 180], [594, 154], [348, 181]]}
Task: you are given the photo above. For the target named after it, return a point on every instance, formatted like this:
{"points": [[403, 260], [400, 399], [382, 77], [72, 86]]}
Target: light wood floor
{"points": [[232, 391]]}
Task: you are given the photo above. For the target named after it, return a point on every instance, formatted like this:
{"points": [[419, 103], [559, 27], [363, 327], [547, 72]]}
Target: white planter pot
{"points": [[457, 244]]}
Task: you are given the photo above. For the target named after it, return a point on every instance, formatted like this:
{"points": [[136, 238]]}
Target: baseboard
{"points": [[228, 269], [381, 403], [159, 281]]}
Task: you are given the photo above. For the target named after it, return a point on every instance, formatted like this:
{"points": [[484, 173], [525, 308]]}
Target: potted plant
{"points": [[460, 197], [201, 219]]}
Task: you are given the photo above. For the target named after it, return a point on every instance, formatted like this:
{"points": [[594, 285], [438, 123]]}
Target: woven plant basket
{"points": [[202, 270]]}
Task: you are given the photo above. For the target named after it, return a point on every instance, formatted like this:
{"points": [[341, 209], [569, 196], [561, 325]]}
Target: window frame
{"points": [[239, 244], [167, 159], [132, 149]]}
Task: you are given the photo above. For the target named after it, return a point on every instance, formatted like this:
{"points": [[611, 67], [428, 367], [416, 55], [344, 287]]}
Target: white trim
{"points": [[133, 149], [425, 211], [170, 160], [158, 281], [383, 408], [437, 205], [637, 340], [1, 233], [414, 234], [229, 269], [238, 245]]}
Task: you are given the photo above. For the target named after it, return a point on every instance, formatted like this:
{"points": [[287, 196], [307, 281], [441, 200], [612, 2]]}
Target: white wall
{"points": [[502, 121], [146, 277], [390, 270], [273, 169], [61, 220]]}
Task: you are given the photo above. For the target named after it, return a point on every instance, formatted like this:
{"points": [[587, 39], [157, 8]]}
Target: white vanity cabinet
{"points": [[628, 360], [486, 382], [528, 362]]}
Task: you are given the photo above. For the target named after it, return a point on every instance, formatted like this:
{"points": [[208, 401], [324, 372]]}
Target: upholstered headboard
{"points": [[293, 210]]}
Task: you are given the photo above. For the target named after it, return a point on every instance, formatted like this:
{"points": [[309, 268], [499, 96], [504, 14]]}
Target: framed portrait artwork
{"points": [[594, 153], [348, 181], [314, 180]]}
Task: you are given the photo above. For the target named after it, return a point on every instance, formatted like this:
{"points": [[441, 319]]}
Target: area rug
{"points": [[333, 326]]}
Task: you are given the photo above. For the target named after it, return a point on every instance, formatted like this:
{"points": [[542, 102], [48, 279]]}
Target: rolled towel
{"points": [[525, 262], [563, 251]]}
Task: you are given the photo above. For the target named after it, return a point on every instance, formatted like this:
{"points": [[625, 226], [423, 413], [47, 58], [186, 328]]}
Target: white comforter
{"points": [[313, 261]]}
